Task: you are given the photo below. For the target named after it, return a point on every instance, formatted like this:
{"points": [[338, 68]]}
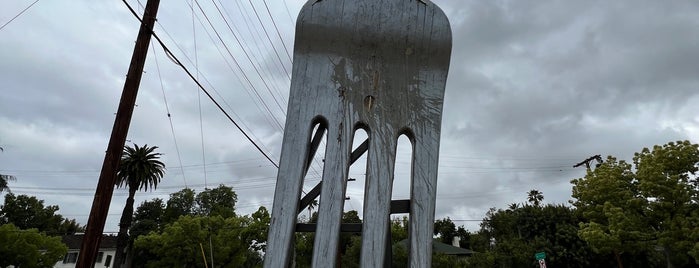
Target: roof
{"points": [[446, 249], [75, 241]]}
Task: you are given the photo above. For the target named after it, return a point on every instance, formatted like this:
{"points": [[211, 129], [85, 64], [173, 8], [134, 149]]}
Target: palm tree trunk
{"points": [[124, 224], [618, 259], [666, 252]]}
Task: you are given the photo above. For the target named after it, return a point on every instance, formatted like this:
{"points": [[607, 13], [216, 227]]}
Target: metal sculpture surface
{"points": [[378, 65]]}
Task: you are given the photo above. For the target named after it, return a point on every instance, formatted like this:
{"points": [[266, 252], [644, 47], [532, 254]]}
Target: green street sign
{"points": [[540, 255]]}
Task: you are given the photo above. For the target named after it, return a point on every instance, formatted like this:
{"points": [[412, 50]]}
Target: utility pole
{"points": [[587, 161], [105, 186]]}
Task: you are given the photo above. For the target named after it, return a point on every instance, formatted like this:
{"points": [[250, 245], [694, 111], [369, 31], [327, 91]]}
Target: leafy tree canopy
{"points": [[219, 201], [234, 241], [29, 248], [27, 212], [181, 203], [636, 210], [510, 237]]}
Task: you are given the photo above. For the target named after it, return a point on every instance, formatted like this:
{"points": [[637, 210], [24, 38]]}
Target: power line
{"points": [[167, 108], [240, 67], [201, 121], [268, 116], [264, 82], [255, 36], [177, 61], [268, 38], [286, 50], [19, 14], [288, 12]]}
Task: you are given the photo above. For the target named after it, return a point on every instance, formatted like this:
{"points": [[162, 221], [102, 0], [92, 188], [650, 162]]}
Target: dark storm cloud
{"points": [[565, 80]]}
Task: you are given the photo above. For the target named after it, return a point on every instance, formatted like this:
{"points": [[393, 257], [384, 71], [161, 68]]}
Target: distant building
{"points": [[446, 249], [104, 257]]}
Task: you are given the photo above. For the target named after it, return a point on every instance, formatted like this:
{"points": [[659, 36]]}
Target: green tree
{"points": [[511, 237], [632, 212], [147, 218], [140, 168], [5, 179], [446, 229], [179, 204], [612, 209], [233, 241], [27, 212], [219, 201], [667, 178], [349, 244], [29, 248], [535, 197]]}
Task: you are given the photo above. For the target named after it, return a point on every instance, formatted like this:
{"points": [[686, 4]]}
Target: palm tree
{"points": [[535, 197], [4, 179], [139, 169], [311, 206]]}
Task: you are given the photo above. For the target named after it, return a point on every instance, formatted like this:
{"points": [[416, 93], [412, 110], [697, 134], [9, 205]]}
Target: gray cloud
{"points": [[534, 87]]}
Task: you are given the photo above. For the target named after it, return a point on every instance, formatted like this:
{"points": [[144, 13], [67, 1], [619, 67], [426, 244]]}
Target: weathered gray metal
{"points": [[379, 65]]}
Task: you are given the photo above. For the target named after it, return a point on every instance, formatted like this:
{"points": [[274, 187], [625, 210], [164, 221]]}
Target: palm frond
{"points": [[140, 167]]}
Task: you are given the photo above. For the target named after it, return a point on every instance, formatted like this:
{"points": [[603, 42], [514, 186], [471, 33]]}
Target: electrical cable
{"points": [[167, 50], [201, 121], [268, 38], [264, 82], [241, 69], [19, 14], [250, 91], [278, 33], [169, 117], [288, 12]]}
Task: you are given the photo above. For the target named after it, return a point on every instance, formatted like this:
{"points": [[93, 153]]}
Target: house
{"points": [[104, 257], [446, 249]]}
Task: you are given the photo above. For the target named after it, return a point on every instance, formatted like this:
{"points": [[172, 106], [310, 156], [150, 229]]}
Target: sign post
{"points": [[541, 257]]}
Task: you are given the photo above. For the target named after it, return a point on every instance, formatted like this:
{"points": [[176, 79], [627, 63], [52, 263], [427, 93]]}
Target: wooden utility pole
{"points": [[587, 161], [105, 186]]}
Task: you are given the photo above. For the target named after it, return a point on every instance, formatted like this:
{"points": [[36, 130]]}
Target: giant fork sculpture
{"points": [[376, 65]]}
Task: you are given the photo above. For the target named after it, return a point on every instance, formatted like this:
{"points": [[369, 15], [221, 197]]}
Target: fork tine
{"points": [[332, 195], [423, 194], [287, 193], [377, 196]]}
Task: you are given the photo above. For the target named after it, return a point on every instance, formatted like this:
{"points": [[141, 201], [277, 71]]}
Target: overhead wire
{"points": [[179, 63], [255, 36], [286, 50], [201, 121], [268, 41], [291, 18], [18, 14], [279, 125], [169, 117], [241, 43], [259, 101], [317, 164], [247, 55], [264, 29]]}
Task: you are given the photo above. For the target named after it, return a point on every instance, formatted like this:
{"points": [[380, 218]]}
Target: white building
{"points": [[104, 257]]}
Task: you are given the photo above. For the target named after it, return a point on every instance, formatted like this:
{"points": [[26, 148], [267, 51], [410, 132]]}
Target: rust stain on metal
{"points": [[369, 102]]}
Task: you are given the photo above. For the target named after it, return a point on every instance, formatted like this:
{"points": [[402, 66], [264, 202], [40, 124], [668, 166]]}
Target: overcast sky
{"points": [[534, 87]]}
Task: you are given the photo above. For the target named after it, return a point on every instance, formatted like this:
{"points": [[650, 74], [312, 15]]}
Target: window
{"points": [[71, 257], [99, 257], [108, 260]]}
